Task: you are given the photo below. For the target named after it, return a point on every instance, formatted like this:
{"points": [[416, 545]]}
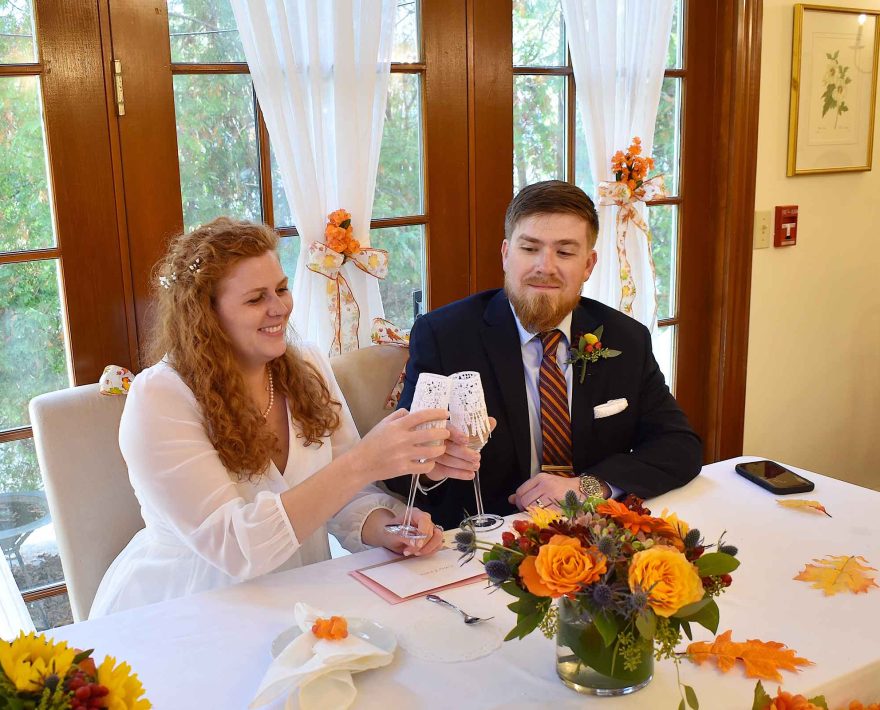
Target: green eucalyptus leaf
{"points": [[691, 697], [686, 627], [514, 590], [606, 625], [762, 700], [708, 617], [714, 564], [681, 705], [687, 611], [610, 352], [646, 623], [819, 701], [598, 332]]}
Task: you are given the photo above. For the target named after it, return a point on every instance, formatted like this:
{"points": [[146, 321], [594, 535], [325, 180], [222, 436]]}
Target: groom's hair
{"points": [[552, 197]]}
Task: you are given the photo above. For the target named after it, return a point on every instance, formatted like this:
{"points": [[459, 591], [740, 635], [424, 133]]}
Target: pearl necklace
{"points": [[271, 389]]}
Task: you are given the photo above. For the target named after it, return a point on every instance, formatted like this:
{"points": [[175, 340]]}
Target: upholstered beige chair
{"points": [[93, 506], [366, 378]]}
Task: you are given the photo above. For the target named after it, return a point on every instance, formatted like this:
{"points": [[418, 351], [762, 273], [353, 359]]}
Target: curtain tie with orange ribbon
{"points": [[341, 304], [629, 188]]}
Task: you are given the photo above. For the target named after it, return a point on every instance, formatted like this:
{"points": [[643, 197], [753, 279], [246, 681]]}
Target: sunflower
{"points": [[126, 690], [27, 660]]}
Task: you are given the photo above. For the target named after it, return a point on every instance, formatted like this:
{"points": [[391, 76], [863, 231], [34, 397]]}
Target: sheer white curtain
{"points": [[320, 70], [618, 53], [14, 615]]}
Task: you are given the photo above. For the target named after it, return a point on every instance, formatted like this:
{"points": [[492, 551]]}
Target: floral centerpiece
{"points": [[38, 674], [615, 585]]}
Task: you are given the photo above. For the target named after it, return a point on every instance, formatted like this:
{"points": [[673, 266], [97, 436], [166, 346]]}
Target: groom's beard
{"points": [[539, 312]]}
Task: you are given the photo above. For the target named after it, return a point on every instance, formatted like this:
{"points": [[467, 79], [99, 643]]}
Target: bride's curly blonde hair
{"points": [[187, 332]]}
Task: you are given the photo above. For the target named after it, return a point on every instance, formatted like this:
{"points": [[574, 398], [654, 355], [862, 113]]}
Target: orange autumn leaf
{"points": [[842, 573], [333, 629], [808, 505], [761, 659]]}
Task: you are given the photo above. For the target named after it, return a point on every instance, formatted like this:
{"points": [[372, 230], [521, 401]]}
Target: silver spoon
{"points": [[468, 619]]}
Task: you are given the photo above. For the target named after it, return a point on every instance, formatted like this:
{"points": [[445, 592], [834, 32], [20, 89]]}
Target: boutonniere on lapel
{"points": [[589, 349]]}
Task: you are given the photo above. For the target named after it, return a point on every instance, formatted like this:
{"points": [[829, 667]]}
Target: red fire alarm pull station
{"points": [[785, 233]]}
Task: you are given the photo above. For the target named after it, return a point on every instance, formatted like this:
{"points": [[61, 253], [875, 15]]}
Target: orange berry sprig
{"points": [[333, 629], [632, 167]]}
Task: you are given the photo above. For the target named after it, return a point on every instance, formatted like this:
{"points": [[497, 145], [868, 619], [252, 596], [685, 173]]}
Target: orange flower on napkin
{"points": [[333, 629]]}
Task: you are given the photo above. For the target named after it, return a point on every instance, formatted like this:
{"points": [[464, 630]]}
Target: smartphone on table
{"points": [[774, 477]]}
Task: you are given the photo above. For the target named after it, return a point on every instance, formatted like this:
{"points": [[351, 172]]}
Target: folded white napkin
{"points": [[612, 406], [319, 668]]}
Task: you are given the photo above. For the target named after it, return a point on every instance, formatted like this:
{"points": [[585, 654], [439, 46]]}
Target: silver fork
{"points": [[468, 619]]}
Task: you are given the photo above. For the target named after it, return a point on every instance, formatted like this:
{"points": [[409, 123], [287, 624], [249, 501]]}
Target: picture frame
{"points": [[833, 89]]}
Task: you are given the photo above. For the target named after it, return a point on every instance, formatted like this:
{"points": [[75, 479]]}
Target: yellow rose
{"points": [[666, 574], [591, 339], [562, 566]]}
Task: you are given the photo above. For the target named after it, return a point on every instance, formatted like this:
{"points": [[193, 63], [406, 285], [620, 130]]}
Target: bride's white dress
{"points": [[205, 528]]}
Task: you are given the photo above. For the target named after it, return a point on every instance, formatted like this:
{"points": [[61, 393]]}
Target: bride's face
{"points": [[253, 306]]}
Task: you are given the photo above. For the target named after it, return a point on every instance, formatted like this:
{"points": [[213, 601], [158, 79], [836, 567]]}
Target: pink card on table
{"points": [[408, 578]]}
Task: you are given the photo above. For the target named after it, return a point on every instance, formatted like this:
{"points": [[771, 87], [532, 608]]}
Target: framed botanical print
{"points": [[833, 89]]}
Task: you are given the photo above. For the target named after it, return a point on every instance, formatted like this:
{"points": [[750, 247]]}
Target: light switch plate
{"points": [[763, 229]]}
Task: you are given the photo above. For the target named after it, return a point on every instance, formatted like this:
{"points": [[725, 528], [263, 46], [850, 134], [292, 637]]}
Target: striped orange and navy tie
{"points": [[555, 417]]}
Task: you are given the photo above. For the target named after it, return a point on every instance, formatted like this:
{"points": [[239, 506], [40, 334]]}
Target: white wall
{"points": [[813, 385]]}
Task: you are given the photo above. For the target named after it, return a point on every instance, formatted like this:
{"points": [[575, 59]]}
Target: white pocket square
{"points": [[611, 407]]}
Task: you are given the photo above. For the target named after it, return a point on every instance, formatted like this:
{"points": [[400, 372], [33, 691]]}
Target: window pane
{"points": [[217, 147], [538, 129], [203, 32], [667, 134], [399, 180], [664, 351], [538, 33], [674, 52], [406, 270], [583, 176], [406, 32], [25, 216], [288, 250], [51, 612], [283, 216], [17, 44], [26, 533], [32, 349], [663, 221]]}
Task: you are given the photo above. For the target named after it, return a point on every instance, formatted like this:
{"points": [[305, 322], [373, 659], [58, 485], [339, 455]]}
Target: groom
{"points": [[602, 427]]}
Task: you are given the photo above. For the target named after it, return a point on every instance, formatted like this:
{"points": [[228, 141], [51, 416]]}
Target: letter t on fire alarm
{"points": [[785, 231]]}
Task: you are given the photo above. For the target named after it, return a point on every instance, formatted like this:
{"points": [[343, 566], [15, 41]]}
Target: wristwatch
{"points": [[591, 487]]}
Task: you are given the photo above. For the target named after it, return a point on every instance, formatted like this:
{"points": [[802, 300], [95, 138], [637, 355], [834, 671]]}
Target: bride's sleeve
{"points": [[348, 523], [178, 476]]}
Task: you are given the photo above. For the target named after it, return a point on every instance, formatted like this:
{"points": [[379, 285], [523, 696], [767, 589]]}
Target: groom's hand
{"points": [[458, 461]]}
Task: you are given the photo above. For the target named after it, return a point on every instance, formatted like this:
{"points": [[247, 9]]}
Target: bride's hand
{"points": [[374, 533]]}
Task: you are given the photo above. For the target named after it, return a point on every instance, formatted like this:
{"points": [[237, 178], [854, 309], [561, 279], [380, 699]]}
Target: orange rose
{"points": [[337, 217], [334, 233], [562, 566], [672, 581], [787, 701]]}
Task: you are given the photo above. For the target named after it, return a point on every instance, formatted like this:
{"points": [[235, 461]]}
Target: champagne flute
{"points": [[432, 392], [467, 411]]}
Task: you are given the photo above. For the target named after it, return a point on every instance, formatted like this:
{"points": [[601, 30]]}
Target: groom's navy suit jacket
{"points": [[647, 449]]}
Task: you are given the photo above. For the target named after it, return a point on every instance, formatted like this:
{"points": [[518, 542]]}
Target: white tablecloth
{"points": [[211, 650]]}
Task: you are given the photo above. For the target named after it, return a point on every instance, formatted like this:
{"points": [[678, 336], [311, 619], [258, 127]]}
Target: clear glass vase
{"points": [[587, 665]]}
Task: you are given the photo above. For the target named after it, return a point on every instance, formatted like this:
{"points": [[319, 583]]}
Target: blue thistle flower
{"points": [[602, 595], [571, 500], [608, 546], [692, 539], [636, 602], [498, 571], [729, 550]]}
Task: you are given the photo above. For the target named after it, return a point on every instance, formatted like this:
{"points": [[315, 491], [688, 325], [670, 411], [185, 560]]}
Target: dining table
{"points": [[211, 650]]}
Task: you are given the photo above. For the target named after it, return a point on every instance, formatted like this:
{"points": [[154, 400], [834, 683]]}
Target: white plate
{"points": [[380, 636]]}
